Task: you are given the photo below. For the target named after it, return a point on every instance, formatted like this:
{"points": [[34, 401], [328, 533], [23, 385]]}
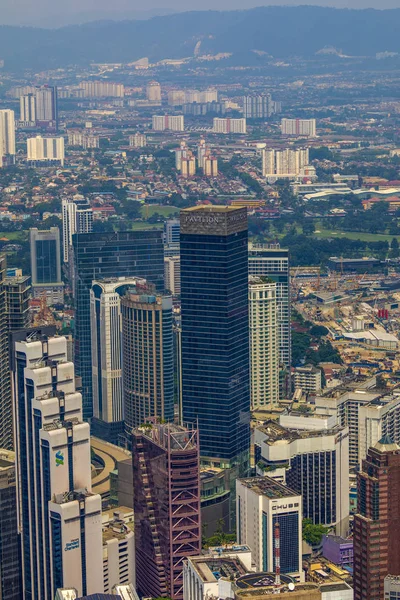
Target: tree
{"points": [[308, 228], [394, 248], [312, 534]]}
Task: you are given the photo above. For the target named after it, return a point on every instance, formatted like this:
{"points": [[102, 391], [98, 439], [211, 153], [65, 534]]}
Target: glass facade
{"points": [[289, 524], [104, 255], [46, 261], [215, 336]]}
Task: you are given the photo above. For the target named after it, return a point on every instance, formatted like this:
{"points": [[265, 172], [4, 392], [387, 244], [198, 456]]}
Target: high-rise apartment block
{"points": [[176, 97], [118, 549], [83, 139], [138, 140], [210, 166], [262, 503], [264, 342], [10, 556], [273, 262], [314, 463], [46, 107], [259, 106], [228, 125], [215, 332], [188, 166], [121, 254], [168, 122], [106, 332], [153, 92], [102, 89], [27, 106], [148, 358], [7, 137], [166, 495], [376, 528], [299, 127], [46, 264], [18, 291], [77, 217], [308, 379], [6, 423], [284, 163], [172, 274], [49, 150], [59, 517]]}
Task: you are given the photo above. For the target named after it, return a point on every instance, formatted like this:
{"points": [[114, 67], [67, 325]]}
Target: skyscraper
{"points": [[148, 357], [273, 261], [215, 332], [47, 107], [77, 217], [10, 555], [18, 291], [259, 106], [264, 342], [101, 256], [153, 92], [377, 524], [7, 137], [59, 517], [166, 500], [6, 424], [106, 330], [46, 264], [27, 104]]}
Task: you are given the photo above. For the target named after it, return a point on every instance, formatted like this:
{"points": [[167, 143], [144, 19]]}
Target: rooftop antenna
{"points": [[277, 556]]}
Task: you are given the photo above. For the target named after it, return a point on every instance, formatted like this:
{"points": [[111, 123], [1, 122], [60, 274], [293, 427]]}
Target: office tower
{"points": [[46, 107], [264, 342], [153, 92], [172, 230], [10, 556], [229, 125], [273, 262], [27, 105], [77, 217], [210, 166], [258, 106], [368, 414], [105, 323], [148, 359], [215, 332], [188, 166], [166, 497], [49, 149], [176, 98], [168, 122], [299, 127], [377, 524], [101, 256], [286, 163], [7, 137], [313, 463], [118, 548], [102, 89], [308, 379], [6, 423], [46, 264], [59, 517], [138, 140], [261, 504], [172, 274], [18, 291]]}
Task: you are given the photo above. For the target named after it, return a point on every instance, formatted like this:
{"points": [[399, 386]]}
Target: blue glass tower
{"points": [[215, 332]]}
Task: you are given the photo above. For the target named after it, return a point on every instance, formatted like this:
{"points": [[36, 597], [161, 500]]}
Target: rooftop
{"points": [[212, 569], [212, 208], [264, 486], [276, 432]]}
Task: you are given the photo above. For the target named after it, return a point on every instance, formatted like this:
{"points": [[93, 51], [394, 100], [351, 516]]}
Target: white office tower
{"points": [[284, 163], [138, 140], [27, 105], [313, 463], [7, 137], [49, 149], [118, 548], [77, 217], [105, 326], [299, 127], [59, 517], [172, 274], [264, 342], [168, 123], [227, 125], [153, 92], [261, 503]]}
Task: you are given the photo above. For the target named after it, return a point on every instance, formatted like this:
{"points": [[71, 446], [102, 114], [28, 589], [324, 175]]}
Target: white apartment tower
{"points": [[168, 123], [172, 274], [153, 92], [77, 217], [138, 140], [264, 342], [7, 136], [286, 163], [46, 149], [227, 125], [27, 105], [59, 517], [299, 127]]}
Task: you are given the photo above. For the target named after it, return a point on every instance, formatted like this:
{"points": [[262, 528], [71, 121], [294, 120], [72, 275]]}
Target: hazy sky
{"points": [[61, 12]]}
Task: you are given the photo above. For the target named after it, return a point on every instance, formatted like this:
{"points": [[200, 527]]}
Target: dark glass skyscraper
{"points": [[100, 256], [215, 332]]}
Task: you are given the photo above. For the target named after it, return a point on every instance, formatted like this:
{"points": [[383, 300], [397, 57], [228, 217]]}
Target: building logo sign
{"points": [[285, 506], [72, 545], [59, 459]]}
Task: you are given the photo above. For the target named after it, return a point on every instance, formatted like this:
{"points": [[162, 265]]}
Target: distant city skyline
{"points": [[48, 13]]}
